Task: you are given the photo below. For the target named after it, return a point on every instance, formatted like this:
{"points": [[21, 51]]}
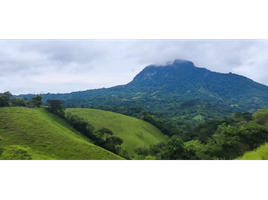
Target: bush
{"points": [[142, 150]]}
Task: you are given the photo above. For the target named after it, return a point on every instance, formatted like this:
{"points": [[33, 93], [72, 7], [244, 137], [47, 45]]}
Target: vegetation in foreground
{"points": [[220, 139], [227, 138], [260, 153], [39, 135]]}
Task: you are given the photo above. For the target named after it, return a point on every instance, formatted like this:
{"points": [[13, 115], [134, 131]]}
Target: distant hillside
{"points": [[134, 132], [40, 135], [170, 89]]}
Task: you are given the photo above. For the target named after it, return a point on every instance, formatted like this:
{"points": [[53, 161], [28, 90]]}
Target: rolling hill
{"points": [[39, 135], [134, 132]]}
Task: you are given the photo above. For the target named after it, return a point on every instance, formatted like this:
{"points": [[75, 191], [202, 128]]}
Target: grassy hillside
{"points": [[260, 153], [134, 132], [41, 135]]}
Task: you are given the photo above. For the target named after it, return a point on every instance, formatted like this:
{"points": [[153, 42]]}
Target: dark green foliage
{"points": [[165, 125], [106, 140], [247, 116], [261, 116], [5, 99], [124, 154], [232, 141], [142, 150], [1, 152], [56, 107], [226, 143], [15, 101], [223, 139], [104, 132], [112, 143], [156, 149], [37, 101], [81, 125], [175, 150], [2, 101], [7, 95]]}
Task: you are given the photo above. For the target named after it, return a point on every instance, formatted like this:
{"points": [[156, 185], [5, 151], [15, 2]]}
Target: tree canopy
{"points": [[56, 107]]}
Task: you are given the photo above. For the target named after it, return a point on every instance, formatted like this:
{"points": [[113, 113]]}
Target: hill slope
{"points": [[44, 136], [261, 153], [133, 131]]}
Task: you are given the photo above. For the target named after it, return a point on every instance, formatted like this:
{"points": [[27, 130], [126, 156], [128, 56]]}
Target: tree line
{"points": [[7, 100]]}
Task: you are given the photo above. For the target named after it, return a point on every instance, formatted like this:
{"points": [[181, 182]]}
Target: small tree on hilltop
{"points": [[37, 100]]}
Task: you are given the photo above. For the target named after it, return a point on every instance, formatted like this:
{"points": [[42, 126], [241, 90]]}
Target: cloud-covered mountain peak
{"points": [[182, 62]]}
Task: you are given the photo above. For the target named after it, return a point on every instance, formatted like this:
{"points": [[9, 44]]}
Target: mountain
{"points": [[179, 90], [184, 80]]}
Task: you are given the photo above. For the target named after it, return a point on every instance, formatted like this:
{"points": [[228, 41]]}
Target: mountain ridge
{"points": [[165, 89]]}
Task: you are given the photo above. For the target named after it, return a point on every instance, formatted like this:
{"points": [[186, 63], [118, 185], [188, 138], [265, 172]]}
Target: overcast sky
{"points": [[61, 66]]}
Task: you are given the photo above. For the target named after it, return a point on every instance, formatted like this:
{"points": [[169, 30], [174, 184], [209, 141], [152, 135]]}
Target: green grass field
{"points": [[44, 136], [260, 153], [134, 132]]}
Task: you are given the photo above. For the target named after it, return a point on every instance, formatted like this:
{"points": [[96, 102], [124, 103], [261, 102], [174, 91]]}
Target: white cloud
{"points": [[59, 66]]}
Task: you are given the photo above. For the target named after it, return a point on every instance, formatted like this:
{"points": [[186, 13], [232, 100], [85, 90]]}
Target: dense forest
{"points": [[221, 138]]}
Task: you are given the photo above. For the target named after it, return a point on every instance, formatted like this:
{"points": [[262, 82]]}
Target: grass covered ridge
{"points": [[260, 153], [39, 135], [134, 132]]}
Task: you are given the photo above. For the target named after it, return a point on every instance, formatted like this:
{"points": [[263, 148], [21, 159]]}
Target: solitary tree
{"points": [[37, 100]]}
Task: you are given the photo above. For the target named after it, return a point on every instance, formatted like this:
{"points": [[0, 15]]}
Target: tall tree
{"points": [[37, 100]]}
